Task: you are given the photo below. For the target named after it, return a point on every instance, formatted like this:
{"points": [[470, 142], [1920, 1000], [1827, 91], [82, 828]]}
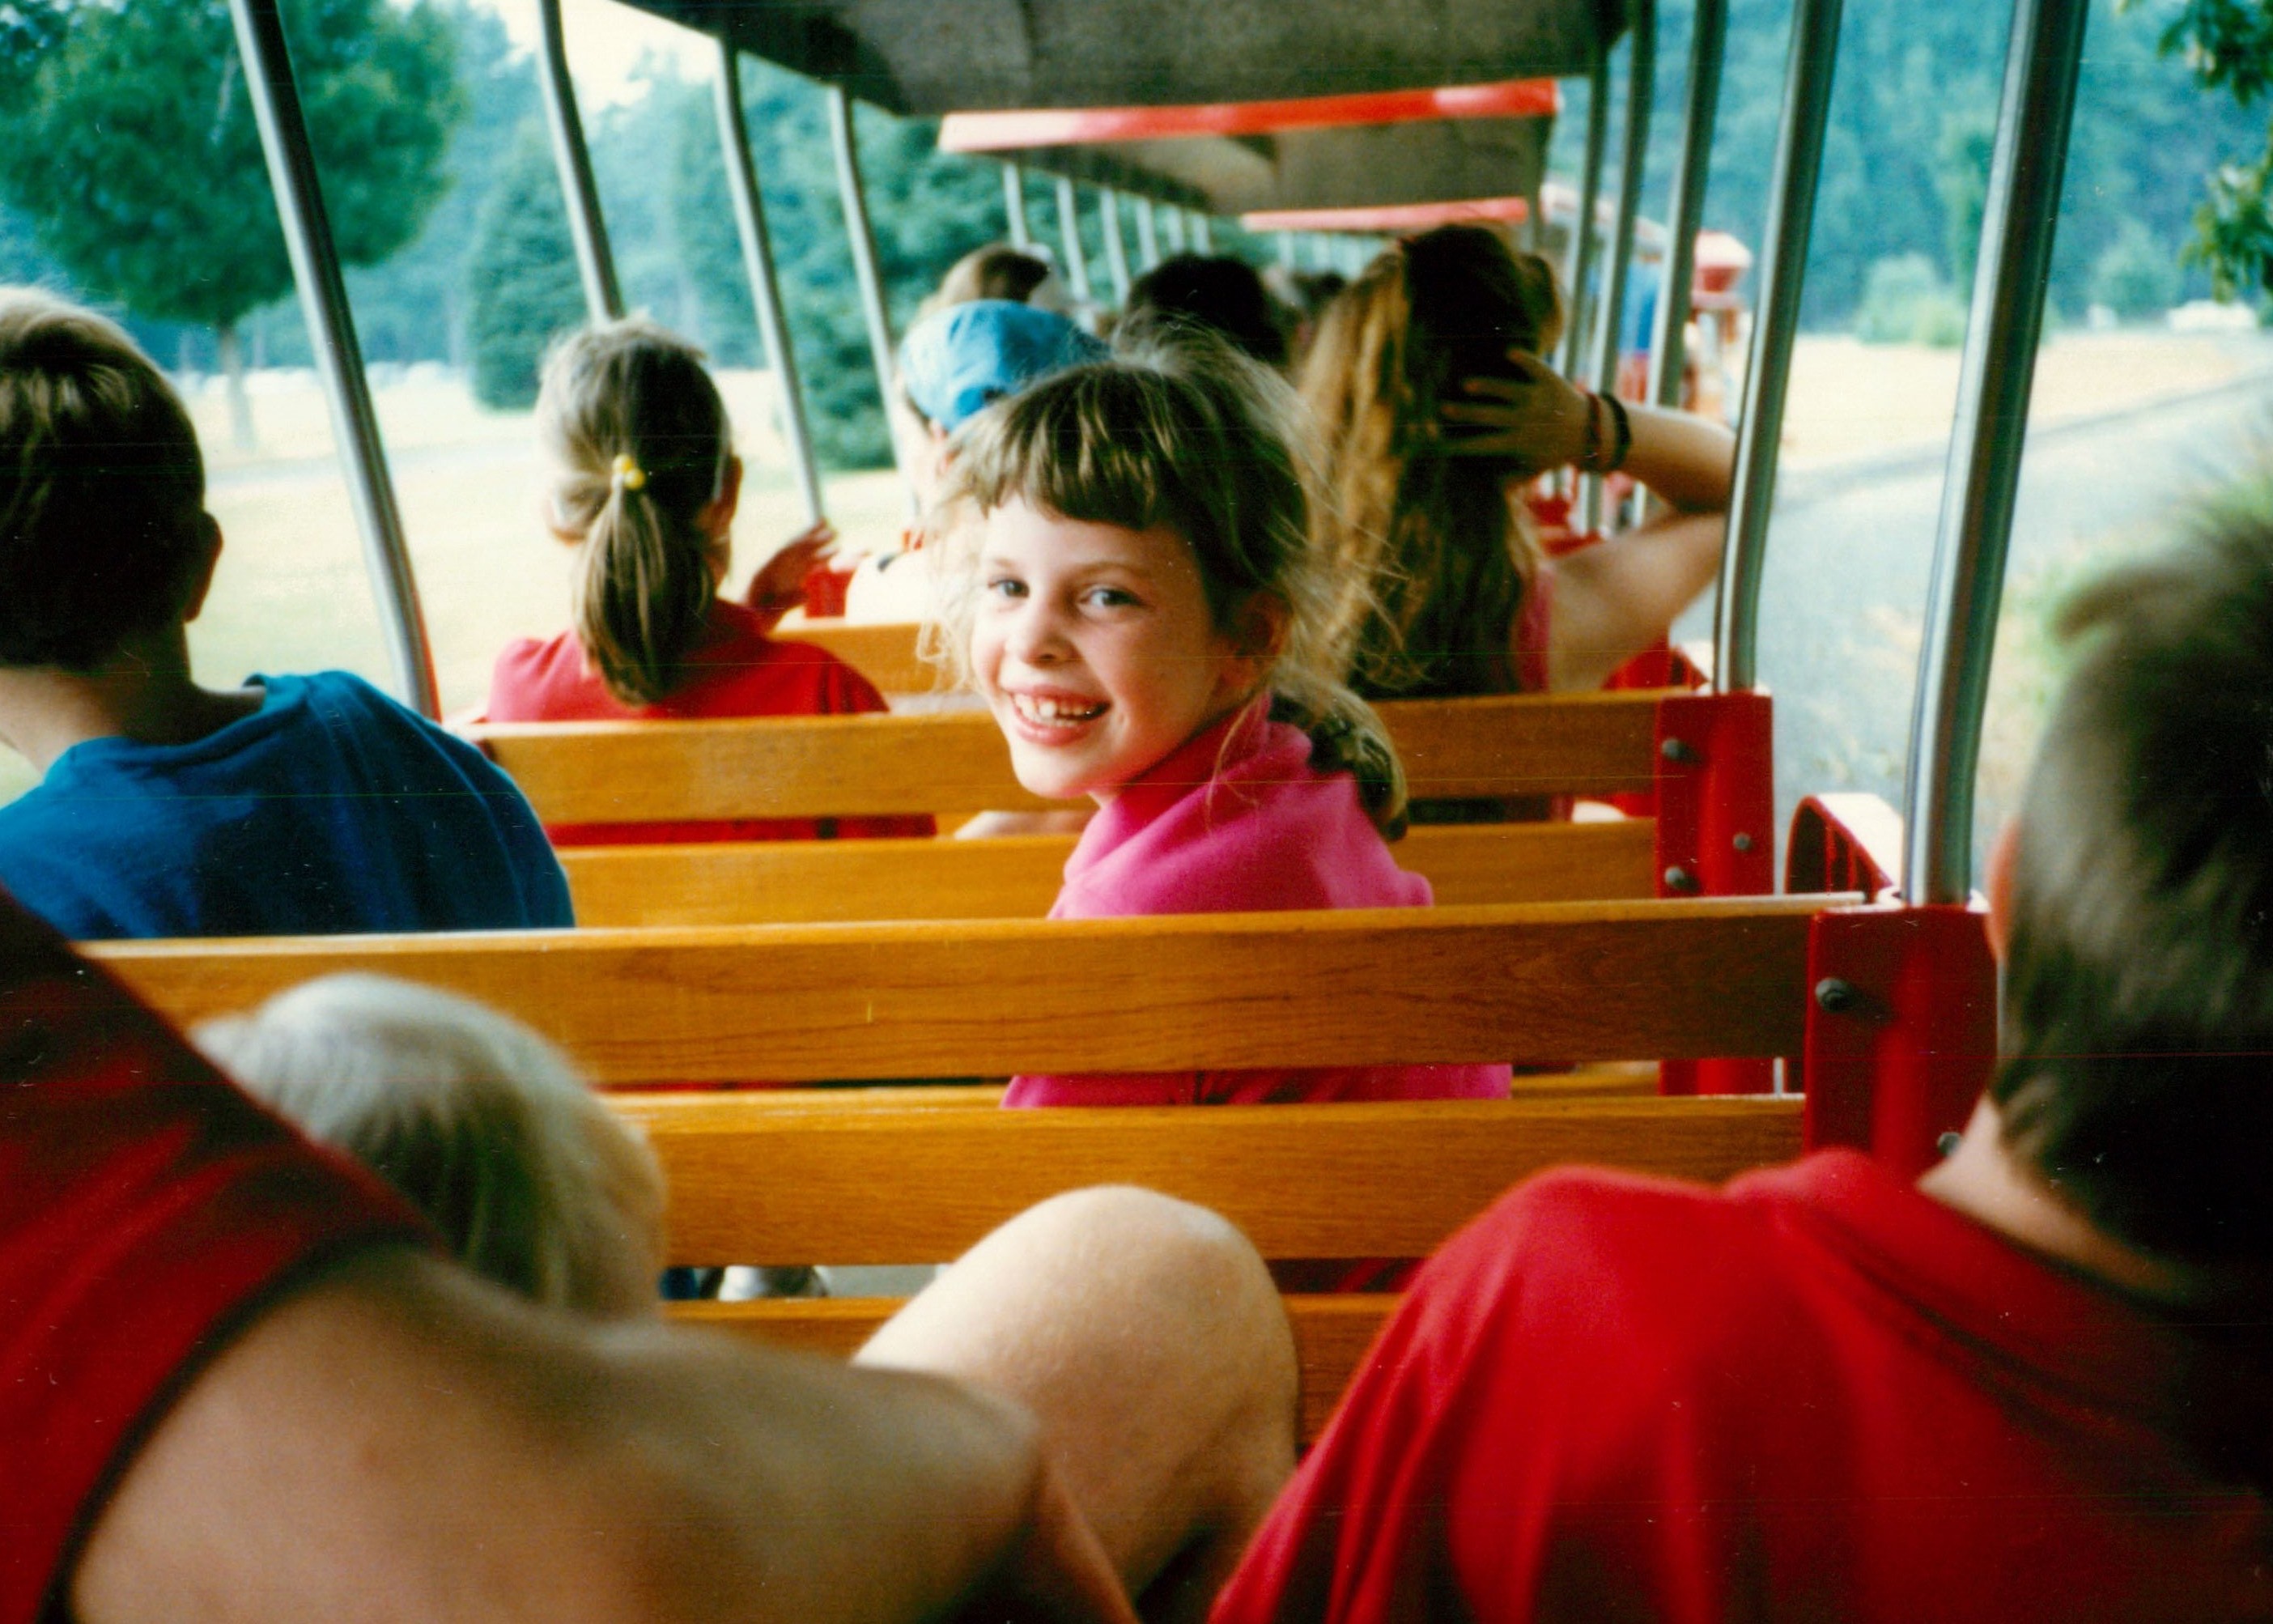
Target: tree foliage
{"points": [[523, 289], [2229, 46], [132, 148]]}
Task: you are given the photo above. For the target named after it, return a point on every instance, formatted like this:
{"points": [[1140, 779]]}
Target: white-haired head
{"points": [[477, 1121]]}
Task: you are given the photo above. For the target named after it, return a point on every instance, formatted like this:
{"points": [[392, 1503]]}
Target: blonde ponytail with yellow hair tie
{"points": [[629, 474]]}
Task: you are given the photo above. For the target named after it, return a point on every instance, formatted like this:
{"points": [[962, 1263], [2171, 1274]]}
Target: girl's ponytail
{"points": [[643, 447], [1346, 736]]}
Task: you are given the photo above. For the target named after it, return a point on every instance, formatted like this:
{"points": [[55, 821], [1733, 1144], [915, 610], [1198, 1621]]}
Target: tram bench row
{"points": [[886, 1175]]}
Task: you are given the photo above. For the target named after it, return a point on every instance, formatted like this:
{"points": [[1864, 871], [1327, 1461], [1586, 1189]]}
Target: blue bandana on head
{"points": [[956, 361]]}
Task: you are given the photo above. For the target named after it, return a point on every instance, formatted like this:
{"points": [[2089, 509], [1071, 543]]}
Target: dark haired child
{"points": [[645, 484], [2033, 1386], [296, 805]]}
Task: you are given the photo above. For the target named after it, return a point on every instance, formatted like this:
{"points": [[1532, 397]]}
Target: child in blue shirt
{"points": [[290, 805]]}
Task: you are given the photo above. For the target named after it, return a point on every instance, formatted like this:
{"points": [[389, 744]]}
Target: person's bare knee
{"points": [[1146, 1333]]}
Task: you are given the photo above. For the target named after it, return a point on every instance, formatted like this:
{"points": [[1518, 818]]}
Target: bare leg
{"points": [[1146, 1335]]}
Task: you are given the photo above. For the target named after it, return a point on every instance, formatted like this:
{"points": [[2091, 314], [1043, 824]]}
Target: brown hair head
{"points": [[1178, 430], [1439, 547], [2138, 983], [641, 448], [101, 487]]}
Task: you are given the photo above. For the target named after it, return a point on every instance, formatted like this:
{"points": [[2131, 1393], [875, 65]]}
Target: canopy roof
{"points": [[1371, 166], [936, 56]]}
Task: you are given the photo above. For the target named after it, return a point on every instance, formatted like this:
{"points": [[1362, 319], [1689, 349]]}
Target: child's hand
{"points": [[1536, 416], [779, 586]]}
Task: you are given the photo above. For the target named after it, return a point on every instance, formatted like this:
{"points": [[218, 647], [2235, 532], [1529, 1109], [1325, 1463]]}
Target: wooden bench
{"points": [[789, 882], [596, 772], [886, 1176], [888, 653], [1543, 983]]}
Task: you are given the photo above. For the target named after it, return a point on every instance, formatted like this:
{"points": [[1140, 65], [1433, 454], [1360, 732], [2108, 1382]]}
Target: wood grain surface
{"points": [[888, 653], [824, 766], [1332, 1335], [795, 881], [841, 1182], [1547, 983]]}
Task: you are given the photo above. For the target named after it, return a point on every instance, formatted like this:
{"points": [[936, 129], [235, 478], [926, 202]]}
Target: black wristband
{"points": [[1621, 429]]}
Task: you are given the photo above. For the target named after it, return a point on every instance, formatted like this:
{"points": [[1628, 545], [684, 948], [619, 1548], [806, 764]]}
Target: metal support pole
{"points": [[1668, 340], [1642, 77], [1791, 211], [602, 297], [1014, 205], [765, 291], [1148, 233], [1173, 220], [1581, 262], [1203, 234], [1979, 491], [331, 335], [871, 280], [1117, 252], [1070, 239]]}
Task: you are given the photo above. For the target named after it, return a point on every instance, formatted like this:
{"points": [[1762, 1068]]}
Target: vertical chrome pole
{"points": [[1641, 79], [1581, 260], [1791, 211], [1668, 341], [1014, 205], [765, 290], [1117, 252], [1203, 234], [602, 297], [331, 335], [1076, 262], [1148, 233], [1173, 220], [1977, 493], [871, 280]]}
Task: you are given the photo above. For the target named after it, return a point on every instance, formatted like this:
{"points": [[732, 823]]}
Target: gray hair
{"points": [[483, 1126]]}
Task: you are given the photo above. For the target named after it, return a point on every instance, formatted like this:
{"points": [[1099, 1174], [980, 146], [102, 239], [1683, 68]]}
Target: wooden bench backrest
{"points": [[888, 653], [893, 1175], [1550, 983], [790, 881], [589, 772]]}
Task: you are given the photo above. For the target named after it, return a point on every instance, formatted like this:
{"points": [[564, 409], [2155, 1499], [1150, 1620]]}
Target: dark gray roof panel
{"points": [[932, 57], [1443, 162]]}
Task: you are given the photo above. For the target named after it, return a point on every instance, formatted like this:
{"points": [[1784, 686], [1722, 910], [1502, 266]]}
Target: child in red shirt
{"points": [[645, 484]]}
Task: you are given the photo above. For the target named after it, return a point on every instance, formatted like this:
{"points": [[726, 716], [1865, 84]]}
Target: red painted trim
{"points": [[1901, 1029], [1002, 131], [1386, 217], [1715, 822]]}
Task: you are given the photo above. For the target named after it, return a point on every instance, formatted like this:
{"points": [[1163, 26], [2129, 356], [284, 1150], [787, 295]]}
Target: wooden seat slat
{"points": [[877, 1184], [585, 772], [1331, 1334], [1549, 983], [1017, 877], [888, 653]]}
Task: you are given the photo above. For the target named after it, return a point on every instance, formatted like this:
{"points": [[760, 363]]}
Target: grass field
{"points": [[293, 594]]}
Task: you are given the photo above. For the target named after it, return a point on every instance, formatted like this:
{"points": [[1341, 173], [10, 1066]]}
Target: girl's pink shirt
{"points": [[1237, 821]]}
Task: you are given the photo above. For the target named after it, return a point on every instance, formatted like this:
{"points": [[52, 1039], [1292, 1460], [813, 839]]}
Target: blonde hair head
{"points": [[479, 1123], [641, 446], [1437, 552], [1178, 430]]}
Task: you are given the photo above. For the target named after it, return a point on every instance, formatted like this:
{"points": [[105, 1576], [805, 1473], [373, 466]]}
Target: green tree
{"points": [[132, 149], [2137, 275], [2229, 45], [522, 287]]}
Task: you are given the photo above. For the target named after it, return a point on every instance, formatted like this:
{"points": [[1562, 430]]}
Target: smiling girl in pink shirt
{"points": [[1142, 613]]}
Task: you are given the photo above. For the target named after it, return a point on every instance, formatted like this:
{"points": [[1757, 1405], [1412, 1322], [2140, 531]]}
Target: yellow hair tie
{"points": [[629, 474]]}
